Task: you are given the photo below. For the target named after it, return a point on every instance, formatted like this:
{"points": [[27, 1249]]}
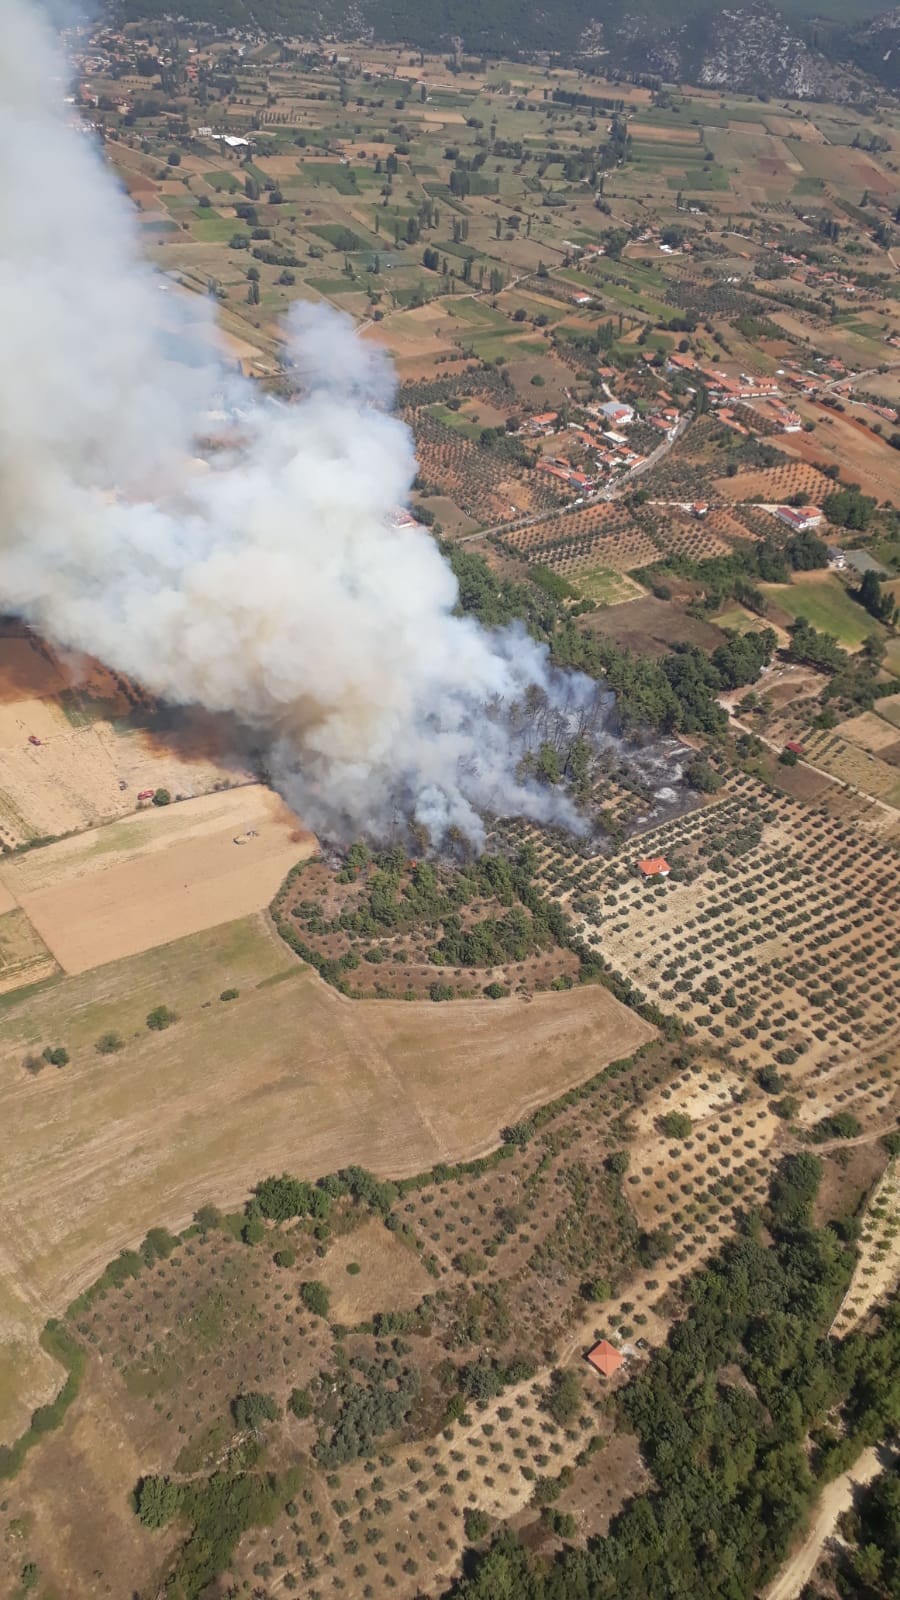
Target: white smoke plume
{"points": [[272, 585]]}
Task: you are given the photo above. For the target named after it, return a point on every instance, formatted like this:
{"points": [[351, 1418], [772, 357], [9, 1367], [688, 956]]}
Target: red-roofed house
{"points": [[543, 423], [799, 517], [605, 1358], [654, 867]]}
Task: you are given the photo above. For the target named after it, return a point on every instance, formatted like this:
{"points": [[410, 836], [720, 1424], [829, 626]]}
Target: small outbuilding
{"points": [[605, 1358]]}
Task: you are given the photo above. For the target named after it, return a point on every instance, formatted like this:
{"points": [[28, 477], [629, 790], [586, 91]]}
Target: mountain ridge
{"points": [[752, 45]]}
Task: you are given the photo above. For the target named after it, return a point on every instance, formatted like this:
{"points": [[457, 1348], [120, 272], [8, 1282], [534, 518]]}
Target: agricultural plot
{"points": [[853, 764], [679, 533], [826, 605], [385, 927], [776, 485], [24, 958], [650, 627], [486, 486], [80, 744], [874, 732], [878, 1267], [576, 541], [772, 939], [606, 587], [164, 873]]}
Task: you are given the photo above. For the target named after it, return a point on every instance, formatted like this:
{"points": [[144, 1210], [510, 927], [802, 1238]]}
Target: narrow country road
{"points": [[836, 1498], [804, 761]]}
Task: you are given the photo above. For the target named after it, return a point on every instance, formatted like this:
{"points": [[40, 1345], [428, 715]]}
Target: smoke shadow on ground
{"points": [[87, 691]]}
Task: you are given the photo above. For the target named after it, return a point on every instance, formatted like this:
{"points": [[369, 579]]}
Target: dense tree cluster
{"points": [[849, 508], [873, 1566], [366, 1410], [675, 694]]}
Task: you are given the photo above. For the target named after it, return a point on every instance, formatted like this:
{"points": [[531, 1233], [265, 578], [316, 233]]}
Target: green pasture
{"points": [[825, 605]]}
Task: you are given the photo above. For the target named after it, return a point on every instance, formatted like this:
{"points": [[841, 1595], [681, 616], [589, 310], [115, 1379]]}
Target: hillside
{"points": [[797, 49]]}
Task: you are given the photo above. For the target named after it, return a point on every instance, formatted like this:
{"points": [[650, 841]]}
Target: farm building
{"points": [[800, 518], [544, 422], [605, 1358], [618, 413], [654, 867]]}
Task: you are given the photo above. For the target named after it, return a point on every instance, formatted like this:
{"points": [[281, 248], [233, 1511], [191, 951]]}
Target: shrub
{"points": [[56, 1055], [162, 797], [843, 1125], [770, 1080], [157, 1500], [229, 994], [109, 1043], [285, 1257], [301, 1403], [476, 1523], [161, 1018], [564, 1401], [252, 1410], [354, 1268], [316, 1298], [676, 1125]]}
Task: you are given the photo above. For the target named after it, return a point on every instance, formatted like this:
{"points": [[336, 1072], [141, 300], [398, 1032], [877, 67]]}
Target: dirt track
{"points": [[836, 1498]]}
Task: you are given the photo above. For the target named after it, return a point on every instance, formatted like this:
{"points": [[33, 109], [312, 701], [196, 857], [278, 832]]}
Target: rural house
{"points": [[605, 1358], [654, 867]]}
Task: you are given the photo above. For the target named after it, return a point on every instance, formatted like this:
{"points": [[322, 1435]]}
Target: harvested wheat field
{"points": [[24, 958], [287, 1075], [163, 873]]}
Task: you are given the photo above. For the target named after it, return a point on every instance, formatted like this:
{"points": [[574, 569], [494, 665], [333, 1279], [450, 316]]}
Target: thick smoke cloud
{"points": [[269, 581]]}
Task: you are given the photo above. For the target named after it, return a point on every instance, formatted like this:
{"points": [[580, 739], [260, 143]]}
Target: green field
{"points": [[826, 605], [223, 180], [453, 419], [739, 620], [607, 588], [209, 228]]}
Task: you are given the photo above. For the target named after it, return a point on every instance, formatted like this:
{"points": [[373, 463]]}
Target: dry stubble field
{"points": [[288, 1075], [163, 873]]}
